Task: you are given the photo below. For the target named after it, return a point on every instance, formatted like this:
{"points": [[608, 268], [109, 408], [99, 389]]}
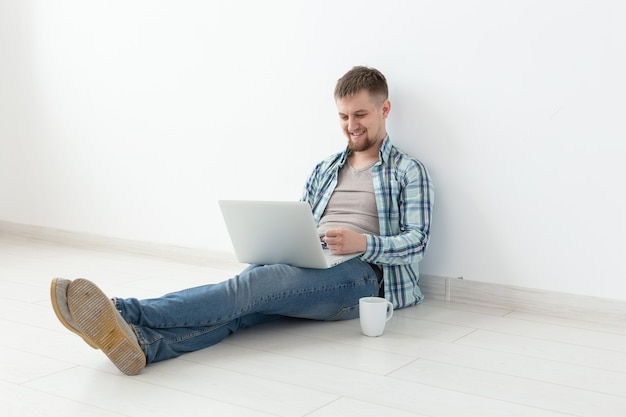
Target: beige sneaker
{"points": [[98, 319], [58, 296]]}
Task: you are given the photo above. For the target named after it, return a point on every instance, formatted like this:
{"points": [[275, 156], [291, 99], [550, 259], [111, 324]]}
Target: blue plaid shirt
{"points": [[404, 198]]}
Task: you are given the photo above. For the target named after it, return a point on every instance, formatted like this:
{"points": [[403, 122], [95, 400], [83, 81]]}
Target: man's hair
{"points": [[362, 78]]}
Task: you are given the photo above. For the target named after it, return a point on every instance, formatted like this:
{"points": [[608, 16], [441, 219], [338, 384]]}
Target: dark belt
{"points": [[378, 270]]}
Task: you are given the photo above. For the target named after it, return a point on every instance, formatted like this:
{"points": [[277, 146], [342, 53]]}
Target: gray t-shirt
{"points": [[353, 203]]}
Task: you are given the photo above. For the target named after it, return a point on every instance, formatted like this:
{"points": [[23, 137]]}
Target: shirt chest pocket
{"points": [[390, 191]]}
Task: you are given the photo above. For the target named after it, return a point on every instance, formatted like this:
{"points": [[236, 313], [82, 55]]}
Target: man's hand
{"points": [[342, 241]]}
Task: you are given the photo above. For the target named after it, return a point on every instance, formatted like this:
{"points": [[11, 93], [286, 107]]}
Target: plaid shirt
{"points": [[404, 197]]}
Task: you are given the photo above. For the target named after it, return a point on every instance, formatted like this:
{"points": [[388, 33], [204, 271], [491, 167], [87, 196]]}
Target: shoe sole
{"points": [[96, 316], [57, 311]]}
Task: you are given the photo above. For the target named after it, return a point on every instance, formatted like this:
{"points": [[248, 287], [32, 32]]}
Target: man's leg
{"points": [[196, 318]]}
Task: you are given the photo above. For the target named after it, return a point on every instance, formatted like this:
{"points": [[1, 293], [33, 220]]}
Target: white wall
{"points": [[132, 118]]}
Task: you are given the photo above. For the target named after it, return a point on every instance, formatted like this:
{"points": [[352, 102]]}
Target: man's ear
{"points": [[386, 108]]}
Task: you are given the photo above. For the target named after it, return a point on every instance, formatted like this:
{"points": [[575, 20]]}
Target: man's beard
{"points": [[362, 146]]}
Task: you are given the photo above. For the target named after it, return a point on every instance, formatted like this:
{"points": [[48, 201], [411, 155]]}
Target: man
{"points": [[371, 198]]}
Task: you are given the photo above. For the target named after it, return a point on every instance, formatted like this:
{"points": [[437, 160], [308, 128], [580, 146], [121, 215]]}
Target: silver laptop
{"points": [[276, 232]]}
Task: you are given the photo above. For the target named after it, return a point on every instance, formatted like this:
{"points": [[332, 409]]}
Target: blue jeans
{"points": [[195, 318]]}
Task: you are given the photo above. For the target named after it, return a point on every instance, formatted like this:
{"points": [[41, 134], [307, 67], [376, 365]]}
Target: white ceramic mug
{"points": [[374, 313]]}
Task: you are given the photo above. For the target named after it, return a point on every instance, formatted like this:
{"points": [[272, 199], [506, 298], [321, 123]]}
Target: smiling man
{"points": [[371, 198], [363, 112]]}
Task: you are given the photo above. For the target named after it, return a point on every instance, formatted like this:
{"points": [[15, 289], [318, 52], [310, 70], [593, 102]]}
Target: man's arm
{"points": [[407, 230]]}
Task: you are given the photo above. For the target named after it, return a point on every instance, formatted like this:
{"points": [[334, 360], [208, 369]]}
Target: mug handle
{"points": [[389, 311]]}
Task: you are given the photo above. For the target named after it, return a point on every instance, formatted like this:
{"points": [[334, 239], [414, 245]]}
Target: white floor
{"points": [[436, 359]]}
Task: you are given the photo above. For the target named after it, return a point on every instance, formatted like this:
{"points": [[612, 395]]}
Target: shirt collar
{"points": [[385, 149]]}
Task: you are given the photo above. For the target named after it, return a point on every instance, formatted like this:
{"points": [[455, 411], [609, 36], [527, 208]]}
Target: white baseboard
{"points": [[578, 307], [193, 256], [570, 306]]}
